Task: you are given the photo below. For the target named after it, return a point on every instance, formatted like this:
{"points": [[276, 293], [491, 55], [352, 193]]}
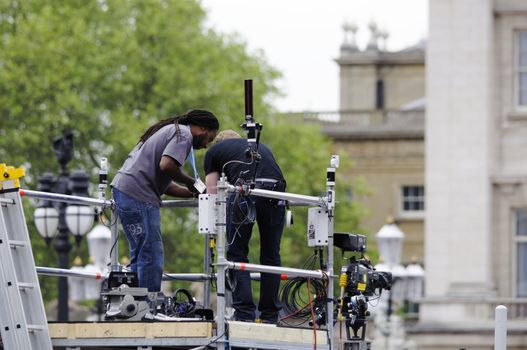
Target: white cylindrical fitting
{"points": [[104, 163]]}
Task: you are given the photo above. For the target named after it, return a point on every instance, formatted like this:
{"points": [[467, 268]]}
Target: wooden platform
{"points": [[268, 336], [140, 334], [180, 334]]}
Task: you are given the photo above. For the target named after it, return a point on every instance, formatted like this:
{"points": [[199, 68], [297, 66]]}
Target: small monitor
{"points": [[350, 242]]}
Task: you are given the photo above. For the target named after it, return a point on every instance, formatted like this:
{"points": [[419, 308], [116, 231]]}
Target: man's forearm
{"points": [[172, 169], [211, 181], [179, 176], [176, 190]]}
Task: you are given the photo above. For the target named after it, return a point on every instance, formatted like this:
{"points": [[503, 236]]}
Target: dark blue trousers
{"points": [[270, 219], [142, 226]]}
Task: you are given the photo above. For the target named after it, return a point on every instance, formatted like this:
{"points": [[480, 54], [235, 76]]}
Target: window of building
{"points": [[379, 94], [521, 70], [413, 198], [521, 253]]}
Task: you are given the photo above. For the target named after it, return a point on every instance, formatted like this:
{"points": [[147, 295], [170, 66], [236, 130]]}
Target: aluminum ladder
{"points": [[23, 319]]}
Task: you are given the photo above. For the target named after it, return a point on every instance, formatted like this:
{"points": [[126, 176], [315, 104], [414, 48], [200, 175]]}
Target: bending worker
{"points": [[228, 155], [153, 168]]}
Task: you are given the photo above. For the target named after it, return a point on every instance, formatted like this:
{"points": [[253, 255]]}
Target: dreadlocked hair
{"points": [[199, 117]]}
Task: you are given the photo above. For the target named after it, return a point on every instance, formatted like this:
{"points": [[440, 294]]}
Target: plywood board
{"points": [[130, 330], [272, 333]]}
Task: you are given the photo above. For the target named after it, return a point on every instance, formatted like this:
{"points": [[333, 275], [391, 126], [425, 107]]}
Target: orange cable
{"points": [[312, 313]]}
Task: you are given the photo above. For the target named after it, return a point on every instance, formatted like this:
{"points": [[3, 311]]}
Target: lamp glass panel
{"points": [[46, 221], [390, 249], [79, 219]]}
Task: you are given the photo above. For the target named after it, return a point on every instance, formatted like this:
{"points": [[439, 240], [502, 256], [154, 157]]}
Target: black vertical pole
{"points": [[248, 100], [63, 246], [63, 147]]}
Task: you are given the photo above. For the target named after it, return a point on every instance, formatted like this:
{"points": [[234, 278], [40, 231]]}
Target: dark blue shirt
{"points": [[218, 159]]}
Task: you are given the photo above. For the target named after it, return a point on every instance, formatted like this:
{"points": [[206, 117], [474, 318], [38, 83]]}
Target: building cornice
{"points": [[516, 9], [416, 57]]}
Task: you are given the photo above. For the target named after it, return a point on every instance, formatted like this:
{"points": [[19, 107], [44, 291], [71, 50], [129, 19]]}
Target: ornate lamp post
{"points": [[390, 241], [50, 216], [415, 283]]}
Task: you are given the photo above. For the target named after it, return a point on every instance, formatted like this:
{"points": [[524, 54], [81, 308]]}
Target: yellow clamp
{"points": [[8, 173]]}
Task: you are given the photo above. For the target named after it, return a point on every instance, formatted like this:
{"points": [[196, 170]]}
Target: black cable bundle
{"points": [[295, 300], [296, 297]]}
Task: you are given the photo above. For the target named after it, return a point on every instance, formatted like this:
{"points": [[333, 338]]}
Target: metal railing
{"points": [[363, 118], [517, 308]]}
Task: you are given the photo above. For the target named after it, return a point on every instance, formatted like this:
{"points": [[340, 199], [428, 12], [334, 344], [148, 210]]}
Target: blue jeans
{"points": [[270, 219], [142, 226]]}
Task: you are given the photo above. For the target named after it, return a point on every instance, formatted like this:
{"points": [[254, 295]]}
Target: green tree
{"points": [[108, 69]]}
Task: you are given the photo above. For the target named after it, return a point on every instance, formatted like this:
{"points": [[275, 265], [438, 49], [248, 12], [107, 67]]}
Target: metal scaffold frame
{"points": [[225, 330], [327, 202]]}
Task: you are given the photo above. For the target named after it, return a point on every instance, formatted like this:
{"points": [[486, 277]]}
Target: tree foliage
{"points": [[109, 69]]}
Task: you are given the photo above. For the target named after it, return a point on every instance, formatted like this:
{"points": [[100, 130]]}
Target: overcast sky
{"points": [[302, 38]]}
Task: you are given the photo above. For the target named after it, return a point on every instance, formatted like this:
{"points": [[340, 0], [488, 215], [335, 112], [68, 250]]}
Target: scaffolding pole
{"points": [[67, 198], [221, 224]]}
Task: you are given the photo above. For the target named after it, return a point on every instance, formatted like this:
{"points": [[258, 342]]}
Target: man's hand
{"points": [[192, 189]]}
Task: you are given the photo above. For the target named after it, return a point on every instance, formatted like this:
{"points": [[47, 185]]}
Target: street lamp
{"points": [[99, 245], [79, 218], [415, 276], [50, 217], [390, 242], [46, 216], [407, 285]]}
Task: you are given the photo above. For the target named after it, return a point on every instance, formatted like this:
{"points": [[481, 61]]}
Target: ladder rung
{"points": [[35, 327], [15, 244], [25, 285], [7, 201]]}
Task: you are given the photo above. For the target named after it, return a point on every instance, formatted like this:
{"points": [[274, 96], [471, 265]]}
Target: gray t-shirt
{"points": [[140, 176]]}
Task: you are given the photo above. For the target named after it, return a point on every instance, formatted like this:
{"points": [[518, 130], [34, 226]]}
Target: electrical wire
{"points": [[103, 216], [312, 314], [115, 242], [237, 161], [294, 303]]}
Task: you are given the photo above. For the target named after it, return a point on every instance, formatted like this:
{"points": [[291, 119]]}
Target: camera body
{"points": [[359, 280], [364, 279]]}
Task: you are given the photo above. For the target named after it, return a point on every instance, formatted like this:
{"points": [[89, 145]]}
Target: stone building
{"points": [[380, 126], [476, 174]]}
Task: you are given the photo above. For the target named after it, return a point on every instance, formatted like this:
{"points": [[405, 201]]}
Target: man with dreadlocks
{"points": [[152, 169], [228, 155]]}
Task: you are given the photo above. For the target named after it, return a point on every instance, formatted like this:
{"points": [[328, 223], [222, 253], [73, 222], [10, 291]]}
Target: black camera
{"points": [[360, 280], [364, 279]]}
